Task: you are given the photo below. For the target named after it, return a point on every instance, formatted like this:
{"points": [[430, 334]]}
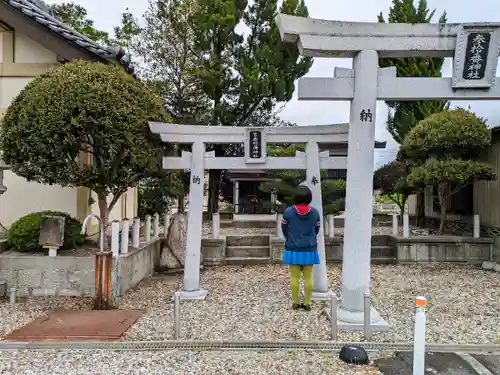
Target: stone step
{"points": [[247, 260], [248, 224], [247, 240], [384, 260], [382, 251], [247, 251], [380, 240]]}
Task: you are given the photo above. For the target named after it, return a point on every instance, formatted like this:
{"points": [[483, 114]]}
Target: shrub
{"points": [[25, 232]]}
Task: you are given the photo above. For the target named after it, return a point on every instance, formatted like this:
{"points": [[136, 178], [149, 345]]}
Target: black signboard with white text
{"points": [[255, 144], [476, 55]]}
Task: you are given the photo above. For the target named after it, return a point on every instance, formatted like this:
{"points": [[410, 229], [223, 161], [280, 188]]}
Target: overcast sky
{"points": [[107, 13]]}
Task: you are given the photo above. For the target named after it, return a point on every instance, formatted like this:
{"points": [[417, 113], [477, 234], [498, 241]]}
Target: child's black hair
{"points": [[303, 195]]}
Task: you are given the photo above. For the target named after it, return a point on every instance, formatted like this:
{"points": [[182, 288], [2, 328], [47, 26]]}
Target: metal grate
{"points": [[241, 345]]}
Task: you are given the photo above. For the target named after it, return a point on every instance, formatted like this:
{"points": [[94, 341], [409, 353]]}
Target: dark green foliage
{"points": [[24, 234], [285, 183], [444, 150], [80, 109], [157, 194], [391, 180], [404, 115]]}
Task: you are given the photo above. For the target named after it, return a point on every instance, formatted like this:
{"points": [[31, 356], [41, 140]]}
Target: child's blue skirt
{"points": [[304, 258]]}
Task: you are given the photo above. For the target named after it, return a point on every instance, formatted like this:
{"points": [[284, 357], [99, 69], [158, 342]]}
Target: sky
{"points": [[107, 14]]}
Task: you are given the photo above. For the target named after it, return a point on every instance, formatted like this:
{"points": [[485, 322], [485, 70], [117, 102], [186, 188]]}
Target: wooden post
{"points": [[103, 267]]}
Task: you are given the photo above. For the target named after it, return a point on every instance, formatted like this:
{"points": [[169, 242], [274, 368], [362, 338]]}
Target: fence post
{"points": [[115, 238], [166, 223], [325, 225], [279, 232], [147, 228], [406, 225], [156, 225], [333, 316], [177, 315], [125, 236], [136, 232], [366, 316], [216, 225], [477, 227], [331, 226], [395, 225], [419, 336]]}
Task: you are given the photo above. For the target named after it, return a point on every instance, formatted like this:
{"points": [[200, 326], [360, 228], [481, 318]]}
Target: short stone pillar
{"points": [[331, 226], [325, 225], [156, 225], [406, 225], [477, 227], [279, 231], [136, 233], [125, 236], [115, 238], [395, 224], [147, 228], [216, 225]]}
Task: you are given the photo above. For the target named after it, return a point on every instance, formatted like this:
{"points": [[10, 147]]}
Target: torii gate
{"points": [[255, 141], [475, 49]]}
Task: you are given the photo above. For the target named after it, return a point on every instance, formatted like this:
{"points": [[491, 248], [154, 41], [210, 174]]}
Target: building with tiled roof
{"points": [[32, 40]]}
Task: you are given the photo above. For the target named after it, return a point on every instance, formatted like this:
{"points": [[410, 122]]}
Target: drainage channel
{"points": [[241, 345]]}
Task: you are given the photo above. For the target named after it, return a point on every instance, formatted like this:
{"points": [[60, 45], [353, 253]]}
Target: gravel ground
{"points": [[176, 363], [252, 302]]}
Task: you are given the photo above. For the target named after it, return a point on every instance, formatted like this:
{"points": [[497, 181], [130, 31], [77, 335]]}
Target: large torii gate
{"points": [[255, 142], [475, 49]]}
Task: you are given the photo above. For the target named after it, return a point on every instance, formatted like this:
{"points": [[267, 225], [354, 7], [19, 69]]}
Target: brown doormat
{"points": [[78, 325]]}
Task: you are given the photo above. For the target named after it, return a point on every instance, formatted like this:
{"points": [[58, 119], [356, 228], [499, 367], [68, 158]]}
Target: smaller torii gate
{"points": [[255, 142]]}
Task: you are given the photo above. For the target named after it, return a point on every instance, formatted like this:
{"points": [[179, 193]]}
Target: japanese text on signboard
{"points": [[255, 148], [476, 55]]}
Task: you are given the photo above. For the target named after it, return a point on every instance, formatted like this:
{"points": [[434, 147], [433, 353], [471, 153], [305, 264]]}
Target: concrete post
{"points": [[191, 286], [279, 231], [331, 226], [406, 225], [156, 225], [477, 227], [216, 225], [356, 260], [125, 236], [395, 225], [236, 197], [115, 238], [136, 233], [147, 228], [313, 178]]}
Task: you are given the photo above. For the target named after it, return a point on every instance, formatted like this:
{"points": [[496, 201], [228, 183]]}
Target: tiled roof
{"points": [[40, 13]]}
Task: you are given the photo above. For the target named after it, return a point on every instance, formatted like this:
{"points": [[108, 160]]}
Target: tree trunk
{"points": [[104, 214], [420, 209], [403, 204], [442, 207]]}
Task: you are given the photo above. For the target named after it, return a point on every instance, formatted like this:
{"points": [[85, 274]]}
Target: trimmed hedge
{"points": [[25, 232]]}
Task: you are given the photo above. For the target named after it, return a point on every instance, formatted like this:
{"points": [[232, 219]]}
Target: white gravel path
{"points": [[176, 363], [252, 302]]}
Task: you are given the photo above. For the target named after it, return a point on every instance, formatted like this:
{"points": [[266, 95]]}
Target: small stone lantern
{"points": [[3, 189]]}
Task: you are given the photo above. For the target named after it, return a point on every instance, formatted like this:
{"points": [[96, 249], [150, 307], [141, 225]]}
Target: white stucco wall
{"points": [[23, 197]]}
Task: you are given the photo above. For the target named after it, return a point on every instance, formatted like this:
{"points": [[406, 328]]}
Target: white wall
{"points": [[23, 197]]}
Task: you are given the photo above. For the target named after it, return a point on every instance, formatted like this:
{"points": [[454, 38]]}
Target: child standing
{"points": [[300, 225]]}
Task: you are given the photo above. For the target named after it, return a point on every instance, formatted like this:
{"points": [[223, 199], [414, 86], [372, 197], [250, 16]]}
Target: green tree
{"points": [[391, 180], [445, 149], [284, 183], [81, 109], [403, 116], [243, 75], [76, 16]]}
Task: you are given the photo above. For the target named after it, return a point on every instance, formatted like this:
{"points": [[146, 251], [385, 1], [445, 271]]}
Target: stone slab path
{"points": [[442, 364]]}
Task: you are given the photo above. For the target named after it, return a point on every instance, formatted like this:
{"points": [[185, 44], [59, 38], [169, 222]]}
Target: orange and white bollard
{"points": [[419, 336]]}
